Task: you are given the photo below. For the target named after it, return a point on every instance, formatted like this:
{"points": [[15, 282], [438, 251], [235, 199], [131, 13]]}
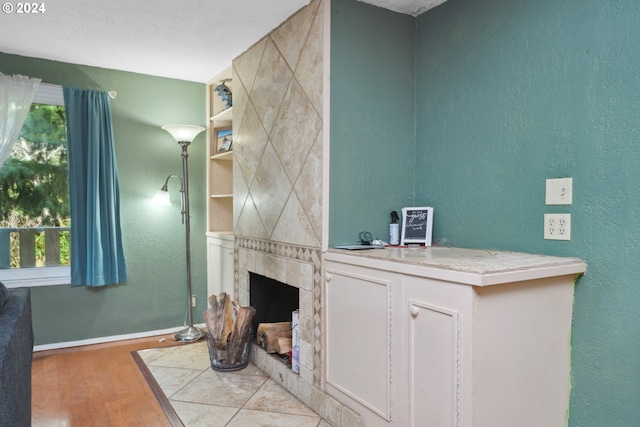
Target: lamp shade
{"points": [[162, 198], [183, 133]]}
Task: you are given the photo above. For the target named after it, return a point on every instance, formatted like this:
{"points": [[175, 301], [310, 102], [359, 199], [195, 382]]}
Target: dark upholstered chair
{"points": [[16, 355]]}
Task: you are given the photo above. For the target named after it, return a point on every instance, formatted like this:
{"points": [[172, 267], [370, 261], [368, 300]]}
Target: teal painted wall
{"points": [[155, 296], [372, 113], [507, 94]]}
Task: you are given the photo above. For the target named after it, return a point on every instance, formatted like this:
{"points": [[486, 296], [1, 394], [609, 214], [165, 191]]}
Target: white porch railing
{"points": [[30, 252]]}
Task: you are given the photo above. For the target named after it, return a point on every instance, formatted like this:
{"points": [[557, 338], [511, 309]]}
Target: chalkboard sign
{"points": [[417, 224]]}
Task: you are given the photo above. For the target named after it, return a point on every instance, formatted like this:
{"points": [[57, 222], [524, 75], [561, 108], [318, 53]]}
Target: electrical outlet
{"points": [[557, 226], [193, 301]]}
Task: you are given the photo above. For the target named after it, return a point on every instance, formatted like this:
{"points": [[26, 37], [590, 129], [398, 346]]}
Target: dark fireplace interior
{"points": [[274, 301]]}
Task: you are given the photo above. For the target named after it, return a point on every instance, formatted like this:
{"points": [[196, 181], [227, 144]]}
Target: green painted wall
{"points": [[155, 296], [372, 113], [507, 94]]}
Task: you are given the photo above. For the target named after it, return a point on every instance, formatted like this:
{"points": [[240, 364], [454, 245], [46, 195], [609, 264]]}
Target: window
{"points": [[34, 198]]}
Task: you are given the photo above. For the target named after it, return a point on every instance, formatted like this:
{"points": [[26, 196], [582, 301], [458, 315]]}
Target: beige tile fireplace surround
{"points": [[298, 267], [277, 189]]}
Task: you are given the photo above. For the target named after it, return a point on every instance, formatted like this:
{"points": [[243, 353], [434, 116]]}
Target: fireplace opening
{"points": [[274, 301]]}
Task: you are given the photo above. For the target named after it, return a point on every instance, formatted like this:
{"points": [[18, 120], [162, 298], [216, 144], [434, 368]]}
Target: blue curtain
{"points": [[97, 257]]}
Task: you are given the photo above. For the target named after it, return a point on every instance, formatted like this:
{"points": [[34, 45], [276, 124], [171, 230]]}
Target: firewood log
{"points": [[213, 301], [217, 315], [276, 340], [209, 320], [282, 329], [240, 329], [228, 318], [284, 345], [243, 321]]}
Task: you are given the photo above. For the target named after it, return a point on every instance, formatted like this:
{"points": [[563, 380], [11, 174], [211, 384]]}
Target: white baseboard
{"points": [[112, 338]]}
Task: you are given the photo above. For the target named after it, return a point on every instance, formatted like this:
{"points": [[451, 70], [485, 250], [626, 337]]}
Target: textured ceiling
{"points": [[192, 40]]}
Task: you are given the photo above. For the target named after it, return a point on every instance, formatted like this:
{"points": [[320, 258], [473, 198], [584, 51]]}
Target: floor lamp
{"points": [[184, 134]]}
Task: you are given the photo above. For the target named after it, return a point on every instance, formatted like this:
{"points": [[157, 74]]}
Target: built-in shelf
{"points": [[227, 155], [220, 240], [225, 116], [228, 235], [220, 164]]}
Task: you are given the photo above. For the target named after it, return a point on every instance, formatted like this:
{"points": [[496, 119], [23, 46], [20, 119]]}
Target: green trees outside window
{"points": [[34, 188]]}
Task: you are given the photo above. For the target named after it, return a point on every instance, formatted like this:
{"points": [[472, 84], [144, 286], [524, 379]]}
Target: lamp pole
{"points": [[190, 333]]}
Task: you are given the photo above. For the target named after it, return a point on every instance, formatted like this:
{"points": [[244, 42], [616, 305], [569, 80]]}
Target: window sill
{"points": [[35, 277]]}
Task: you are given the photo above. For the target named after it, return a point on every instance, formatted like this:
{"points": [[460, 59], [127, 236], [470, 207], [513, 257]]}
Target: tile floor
{"points": [[204, 397]]}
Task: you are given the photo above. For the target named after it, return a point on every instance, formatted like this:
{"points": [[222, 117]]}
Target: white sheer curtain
{"points": [[16, 95]]}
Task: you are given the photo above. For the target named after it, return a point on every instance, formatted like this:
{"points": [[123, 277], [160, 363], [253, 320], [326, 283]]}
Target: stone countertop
{"points": [[478, 267]]}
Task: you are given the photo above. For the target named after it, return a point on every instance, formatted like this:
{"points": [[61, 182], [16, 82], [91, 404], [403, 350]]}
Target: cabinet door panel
{"points": [[433, 355], [358, 338]]}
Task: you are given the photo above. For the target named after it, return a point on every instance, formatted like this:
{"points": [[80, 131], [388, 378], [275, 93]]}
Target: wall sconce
{"points": [[184, 134]]}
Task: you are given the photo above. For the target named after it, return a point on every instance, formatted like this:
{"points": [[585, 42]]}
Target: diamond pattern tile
{"points": [[311, 203], [270, 189], [240, 98], [270, 86], [303, 232], [309, 70], [250, 141], [250, 222], [278, 153], [296, 130], [246, 65], [291, 36]]}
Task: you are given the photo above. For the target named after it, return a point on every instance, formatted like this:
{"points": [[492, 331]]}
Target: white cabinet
{"points": [[433, 330], [449, 337], [220, 264], [362, 347]]}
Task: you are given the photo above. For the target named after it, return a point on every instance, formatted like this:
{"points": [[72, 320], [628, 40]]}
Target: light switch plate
{"points": [[559, 191]]}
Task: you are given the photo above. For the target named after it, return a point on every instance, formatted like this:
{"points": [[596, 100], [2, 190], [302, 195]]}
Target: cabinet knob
{"points": [[414, 311], [328, 277]]}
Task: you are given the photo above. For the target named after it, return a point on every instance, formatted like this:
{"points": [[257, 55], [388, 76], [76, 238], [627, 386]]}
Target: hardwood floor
{"points": [[98, 386]]}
